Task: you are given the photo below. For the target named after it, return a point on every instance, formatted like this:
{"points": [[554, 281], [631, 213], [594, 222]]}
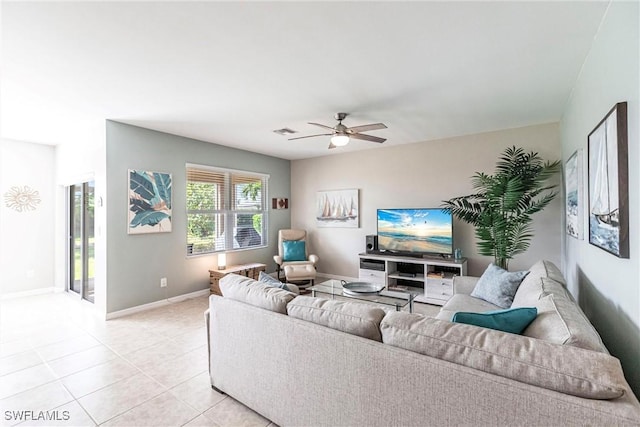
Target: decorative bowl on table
{"points": [[361, 288]]}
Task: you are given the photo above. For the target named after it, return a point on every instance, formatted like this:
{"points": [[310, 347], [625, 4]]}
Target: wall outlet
{"points": [[163, 282]]}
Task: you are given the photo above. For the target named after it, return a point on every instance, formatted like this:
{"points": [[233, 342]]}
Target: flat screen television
{"points": [[426, 231]]}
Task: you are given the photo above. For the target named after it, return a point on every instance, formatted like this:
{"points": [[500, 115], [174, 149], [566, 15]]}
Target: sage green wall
{"points": [[607, 287], [135, 263]]}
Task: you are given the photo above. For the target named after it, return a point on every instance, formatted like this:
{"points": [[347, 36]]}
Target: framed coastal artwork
{"points": [[149, 202], [337, 208], [574, 195], [608, 183]]}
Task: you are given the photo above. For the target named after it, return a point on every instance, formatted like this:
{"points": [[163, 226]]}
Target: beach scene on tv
{"points": [[415, 230]]}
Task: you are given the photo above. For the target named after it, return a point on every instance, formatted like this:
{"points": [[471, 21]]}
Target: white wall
{"points": [[27, 242], [417, 175], [607, 287]]}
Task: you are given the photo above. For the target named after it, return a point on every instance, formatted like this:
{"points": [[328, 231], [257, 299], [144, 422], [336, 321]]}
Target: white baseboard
{"points": [[39, 291], [156, 304]]}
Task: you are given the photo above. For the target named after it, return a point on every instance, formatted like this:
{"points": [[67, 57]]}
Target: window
{"points": [[226, 209]]}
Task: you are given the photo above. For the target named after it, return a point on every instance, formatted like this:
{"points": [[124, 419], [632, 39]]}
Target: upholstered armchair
{"points": [[293, 256]]}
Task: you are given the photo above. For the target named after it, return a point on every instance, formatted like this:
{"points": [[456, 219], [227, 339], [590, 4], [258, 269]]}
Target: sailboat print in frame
{"points": [[337, 208], [608, 183]]}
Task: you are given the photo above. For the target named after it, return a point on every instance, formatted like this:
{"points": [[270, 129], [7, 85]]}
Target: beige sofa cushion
{"points": [[353, 318], [524, 359], [463, 302], [530, 290], [247, 290], [560, 320]]}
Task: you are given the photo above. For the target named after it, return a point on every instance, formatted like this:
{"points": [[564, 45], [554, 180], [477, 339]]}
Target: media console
{"points": [[430, 278]]}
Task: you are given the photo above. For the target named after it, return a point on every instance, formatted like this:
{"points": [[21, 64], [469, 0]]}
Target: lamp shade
{"points": [[222, 261], [340, 139]]}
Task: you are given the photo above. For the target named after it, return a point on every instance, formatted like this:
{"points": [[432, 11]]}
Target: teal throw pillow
{"points": [[513, 320], [498, 286], [272, 281], [294, 250]]}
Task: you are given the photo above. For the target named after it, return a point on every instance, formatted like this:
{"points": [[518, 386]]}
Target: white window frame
{"points": [[228, 211]]}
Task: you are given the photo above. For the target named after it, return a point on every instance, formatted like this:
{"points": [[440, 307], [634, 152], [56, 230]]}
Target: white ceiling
{"points": [[232, 72]]}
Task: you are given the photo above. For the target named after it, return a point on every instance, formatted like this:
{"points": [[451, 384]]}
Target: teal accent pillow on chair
{"points": [[293, 250], [514, 320]]}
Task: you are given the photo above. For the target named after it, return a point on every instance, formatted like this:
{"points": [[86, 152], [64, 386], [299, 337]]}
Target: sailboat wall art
{"points": [[338, 208], [574, 195], [608, 183]]}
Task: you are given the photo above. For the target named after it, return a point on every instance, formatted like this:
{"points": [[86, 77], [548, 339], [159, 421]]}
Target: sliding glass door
{"points": [[81, 240]]}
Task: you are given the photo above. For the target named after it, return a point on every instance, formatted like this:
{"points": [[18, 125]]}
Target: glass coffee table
{"points": [[397, 299]]}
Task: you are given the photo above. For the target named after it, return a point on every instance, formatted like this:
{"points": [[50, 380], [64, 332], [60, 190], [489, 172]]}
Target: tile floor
{"points": [[57, 359]]}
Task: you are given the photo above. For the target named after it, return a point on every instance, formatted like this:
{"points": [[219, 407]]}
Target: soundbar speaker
{"points": [[372, 243]]}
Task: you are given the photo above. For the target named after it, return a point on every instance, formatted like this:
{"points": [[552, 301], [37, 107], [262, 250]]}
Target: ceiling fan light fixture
{"points": [[339, 140]]}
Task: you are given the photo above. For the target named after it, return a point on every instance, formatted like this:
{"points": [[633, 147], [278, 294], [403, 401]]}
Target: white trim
{"points": [[39, 291], [227, 170], [156, 304]]}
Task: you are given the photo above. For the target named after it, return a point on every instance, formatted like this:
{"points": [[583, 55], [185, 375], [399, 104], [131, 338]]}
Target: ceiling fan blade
{"points": [[367, 137], [365, 128], [310, 136], [322, 126]]}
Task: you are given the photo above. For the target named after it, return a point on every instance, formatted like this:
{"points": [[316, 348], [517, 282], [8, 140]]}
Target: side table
{"points": [[250, 270]]}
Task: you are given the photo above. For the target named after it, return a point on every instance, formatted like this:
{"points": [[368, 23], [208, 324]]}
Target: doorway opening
{"points": [[81, 244]]}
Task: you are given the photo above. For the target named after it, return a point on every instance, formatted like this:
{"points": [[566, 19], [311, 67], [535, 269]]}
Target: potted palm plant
{"points": [[501, 208]]}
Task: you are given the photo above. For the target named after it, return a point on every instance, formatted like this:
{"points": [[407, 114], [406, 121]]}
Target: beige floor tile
{"points": [[19, 361], [168, 342], [67, 347], [70, 414], [192, 339], [42, 398], [53, 332], [202, 421], [173, 372], [132, 341], [163, 410], [99, 376], [197, 392], [232, 413], [24, 379], [81, 360], [14, 347], [158, 353], [118, 398]]}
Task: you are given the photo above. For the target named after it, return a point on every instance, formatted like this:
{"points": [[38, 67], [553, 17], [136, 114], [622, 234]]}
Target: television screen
{"points": [[415, 231]]}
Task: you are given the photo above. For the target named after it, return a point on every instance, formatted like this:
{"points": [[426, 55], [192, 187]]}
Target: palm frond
{"points": [[502, 205]]}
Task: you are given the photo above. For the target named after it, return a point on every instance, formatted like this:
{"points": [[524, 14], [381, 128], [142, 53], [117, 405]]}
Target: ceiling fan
{"points": [[340, 134]]}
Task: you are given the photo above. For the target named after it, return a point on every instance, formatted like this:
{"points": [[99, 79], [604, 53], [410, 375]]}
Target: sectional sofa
{"points": [[299, 360]]}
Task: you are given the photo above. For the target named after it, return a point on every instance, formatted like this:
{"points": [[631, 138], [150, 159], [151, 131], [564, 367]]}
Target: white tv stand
{"points": [[431, 277]]}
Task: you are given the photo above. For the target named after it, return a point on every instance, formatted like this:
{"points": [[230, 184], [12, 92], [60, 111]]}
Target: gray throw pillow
{"points": [[272, 281], [498, 286]]}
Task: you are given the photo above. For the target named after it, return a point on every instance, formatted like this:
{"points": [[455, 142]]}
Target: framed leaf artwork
{"points": [[149, 202]]}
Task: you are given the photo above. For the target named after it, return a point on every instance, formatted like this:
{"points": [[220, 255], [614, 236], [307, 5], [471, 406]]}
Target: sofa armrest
{"points": [[464, 284]]}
